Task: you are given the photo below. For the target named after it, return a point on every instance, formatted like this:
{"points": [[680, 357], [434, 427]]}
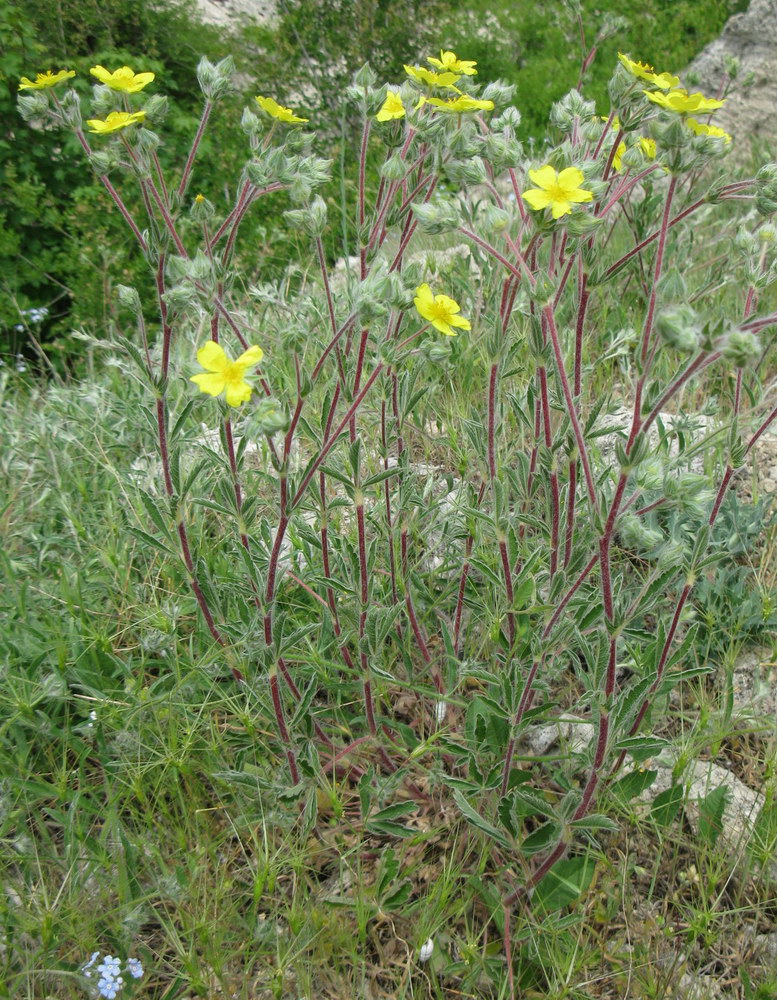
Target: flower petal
{"points": [[237, 393], [560, 208], [536, 198], [211, 382], [578, 195], [461, 322], [423, 299], [212, 357], [544, 178], [250, 357], [570, 178]]}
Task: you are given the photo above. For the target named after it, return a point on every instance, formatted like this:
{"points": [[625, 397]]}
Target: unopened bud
{"points": [[495, 220], [438, 216], [742, 347], [202, 210], [394, 169], [128, 298], [678, 327]]}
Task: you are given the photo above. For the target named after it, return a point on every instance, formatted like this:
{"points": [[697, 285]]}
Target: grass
{"points": [[145, 807], [157, 828]]}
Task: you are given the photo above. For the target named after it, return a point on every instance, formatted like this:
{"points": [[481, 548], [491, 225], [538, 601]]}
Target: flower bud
{"points": [[437, 216], [34, 108], [471, 171], [394, 169], [317, 216], [510, 118], [146, 141], [766, 189], [250, 124], [102, 162], [436, 351], [156, 107], [199, 267], [258, 172], [742, 347], [216, 81], [180, 297], [269, 417], [128, 298], [582, 223], [502, 151], [495, 220], [673, 553], [746, 242], [202, 210], [499, 92], [103, 100], [635, 534], [71, 108], [678, 327], [365, 77]]}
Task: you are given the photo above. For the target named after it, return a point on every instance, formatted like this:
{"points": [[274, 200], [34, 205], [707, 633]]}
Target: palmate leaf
{"points": [[473, 816], [567, 879]]}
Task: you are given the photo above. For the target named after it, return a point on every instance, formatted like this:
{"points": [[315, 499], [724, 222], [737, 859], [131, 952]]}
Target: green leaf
{"points": [[642, 747], [542, 838], [474, 817], [389, 869], [399, 896], [390, 829], [156, 515], [394, 812], [711, 809], [566, 880], [631, 785], [596, 821], [380, 476], [150, 540], [666, 805]]}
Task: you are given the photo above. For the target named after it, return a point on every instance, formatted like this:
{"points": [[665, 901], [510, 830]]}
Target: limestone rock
{"points": [[229, 12], [750, 37]]}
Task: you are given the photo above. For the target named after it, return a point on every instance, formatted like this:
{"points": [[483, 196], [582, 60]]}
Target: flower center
{"points": [[441, 312], [233, 373], [557, 193]]}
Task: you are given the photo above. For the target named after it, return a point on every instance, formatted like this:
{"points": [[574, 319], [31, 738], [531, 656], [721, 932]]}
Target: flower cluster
{"points": [[448, 71], [672, 97], [110, 981]]}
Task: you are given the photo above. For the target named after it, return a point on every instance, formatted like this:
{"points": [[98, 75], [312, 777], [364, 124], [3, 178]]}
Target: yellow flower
{"points": [[648, 147], [645, 72], [47, 79], [221, 373], [392, 107], [199, 198], [122, 79], [440, 310], [682, 102], [430, 79], [458, 104], [115, 121], [450, 62], [617, 160], [699, 128], [277, 111], [559, 191]]}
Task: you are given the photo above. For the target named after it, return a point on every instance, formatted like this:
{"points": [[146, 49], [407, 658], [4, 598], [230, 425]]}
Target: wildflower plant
{"points": [[538, 562]]}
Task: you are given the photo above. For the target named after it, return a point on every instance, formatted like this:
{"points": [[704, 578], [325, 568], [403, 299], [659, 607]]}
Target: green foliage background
{"points": [[61, 245]]}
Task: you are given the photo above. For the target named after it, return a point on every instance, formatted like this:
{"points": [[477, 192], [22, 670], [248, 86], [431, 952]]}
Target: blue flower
{"points": [[134, 968]]}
